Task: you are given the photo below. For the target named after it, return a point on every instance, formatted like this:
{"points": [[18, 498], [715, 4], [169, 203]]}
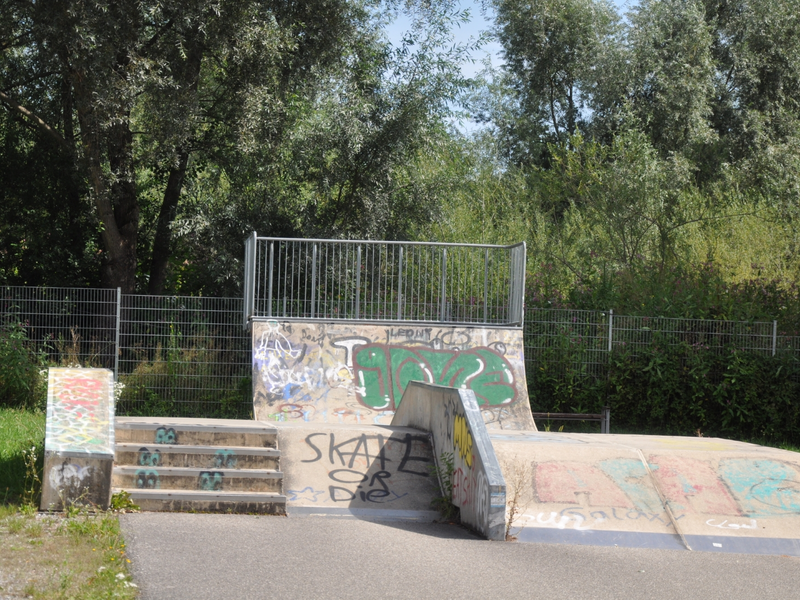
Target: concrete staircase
{"points": [[203, 465]]}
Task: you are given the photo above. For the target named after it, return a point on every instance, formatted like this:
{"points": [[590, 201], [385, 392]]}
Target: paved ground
{"points": [[238, 557]]}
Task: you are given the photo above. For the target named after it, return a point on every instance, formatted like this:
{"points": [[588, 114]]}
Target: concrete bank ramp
{"points": [[651, 491], [367, 471]]}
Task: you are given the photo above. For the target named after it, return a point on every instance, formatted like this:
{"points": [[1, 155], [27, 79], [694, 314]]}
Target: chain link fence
{"points": [[184, 356], [190, 356], [173, 355]]}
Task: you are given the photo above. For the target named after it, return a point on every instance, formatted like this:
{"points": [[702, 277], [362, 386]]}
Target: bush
{"points": [[676, 390], [186, 382], [21, 383]]}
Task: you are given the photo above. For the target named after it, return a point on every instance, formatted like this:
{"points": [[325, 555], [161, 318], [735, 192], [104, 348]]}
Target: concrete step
{"points": [[205, 457], [208, 501], [195, 432], [183, 478]]}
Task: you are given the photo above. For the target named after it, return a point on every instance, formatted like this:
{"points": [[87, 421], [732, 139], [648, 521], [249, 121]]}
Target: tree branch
{"points": [[40, 124]]}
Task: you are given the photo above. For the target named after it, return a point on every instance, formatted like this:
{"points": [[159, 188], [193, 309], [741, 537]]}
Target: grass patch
{"points": [[73, 555], [20, 430], [62, 556]]}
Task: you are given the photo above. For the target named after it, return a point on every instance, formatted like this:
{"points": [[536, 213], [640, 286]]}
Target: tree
{"points": [[551, 50], [150, 84]]}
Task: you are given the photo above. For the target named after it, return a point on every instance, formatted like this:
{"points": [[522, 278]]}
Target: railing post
{"points": [[116, 341], [400, 286], [486, 286], [443, 290], [314, 282], [610, 327], [774, 337], [358, 283], [605, 424], [269, 284]]}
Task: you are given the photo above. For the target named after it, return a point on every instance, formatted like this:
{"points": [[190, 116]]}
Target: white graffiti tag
{"points": [[274, 353], [726, 525]]}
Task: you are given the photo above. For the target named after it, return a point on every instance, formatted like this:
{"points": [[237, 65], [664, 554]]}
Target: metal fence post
{"points": [[358, 283], [314, 282], [116, 342], [486, 287], [774, 337], [443, 291], [605, 424], [269, 283], [610, 327], [400, 286]]}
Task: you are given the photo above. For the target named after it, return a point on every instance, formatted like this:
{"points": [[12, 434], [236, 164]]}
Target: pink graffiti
{"points": [[694, 485], [563, 481]]}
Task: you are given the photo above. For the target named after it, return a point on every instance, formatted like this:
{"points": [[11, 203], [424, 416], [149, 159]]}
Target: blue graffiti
{"points": [[210, 480], [147, 479], [632, 478], [166, 435], [762, 487], [224, 459], [149, 459]]}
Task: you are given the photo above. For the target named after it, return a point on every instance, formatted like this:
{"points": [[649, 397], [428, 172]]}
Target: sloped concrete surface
{"points": [[349, 470], [652, 491]]}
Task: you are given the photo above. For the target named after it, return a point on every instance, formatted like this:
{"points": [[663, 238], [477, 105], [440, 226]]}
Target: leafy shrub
{"points": [[21, 383], [679, 389], [186, 382]]}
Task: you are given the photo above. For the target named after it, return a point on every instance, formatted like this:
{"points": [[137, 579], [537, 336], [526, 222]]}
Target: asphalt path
{"points": [[239, 557]]}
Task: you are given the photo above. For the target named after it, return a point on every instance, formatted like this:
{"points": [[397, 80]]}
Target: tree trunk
{"points": [[190, 74], [163, 238], [118, 218]]}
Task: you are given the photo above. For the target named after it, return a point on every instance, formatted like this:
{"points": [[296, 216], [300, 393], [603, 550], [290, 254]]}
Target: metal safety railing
{"points": [[383, 281]]}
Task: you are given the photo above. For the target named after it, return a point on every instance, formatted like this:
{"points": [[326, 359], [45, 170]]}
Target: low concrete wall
{"points": [[355, 373], [453, 418], [79, 438]]}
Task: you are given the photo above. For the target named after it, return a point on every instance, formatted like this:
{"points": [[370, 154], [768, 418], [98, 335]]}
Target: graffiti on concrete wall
{"points": [[382, 373], [347, 373], [620, 489], [80, 411], [366, 469]]}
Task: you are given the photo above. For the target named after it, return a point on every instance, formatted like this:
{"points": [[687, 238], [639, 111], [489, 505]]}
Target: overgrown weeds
{"points": [[22, 377], [444, 471]]}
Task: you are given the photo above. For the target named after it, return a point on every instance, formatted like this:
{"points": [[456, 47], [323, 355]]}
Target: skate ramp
{"points": [[651, 492], [355, 374], [366, 471]]}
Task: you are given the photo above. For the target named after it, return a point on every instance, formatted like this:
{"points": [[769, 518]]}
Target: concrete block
{"points": [[79, 438]]}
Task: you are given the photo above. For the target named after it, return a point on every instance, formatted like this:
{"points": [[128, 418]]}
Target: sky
{"points": [[480, 22]]}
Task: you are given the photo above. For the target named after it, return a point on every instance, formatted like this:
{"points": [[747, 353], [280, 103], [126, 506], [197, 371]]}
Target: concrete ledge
{"points": [[79, 438], [454, 420], [661, 541], [367, 514]]}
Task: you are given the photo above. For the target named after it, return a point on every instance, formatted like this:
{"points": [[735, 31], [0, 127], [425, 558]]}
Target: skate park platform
{"points": [[640, 491], [681, 493], [340, 395], [382, 399]]}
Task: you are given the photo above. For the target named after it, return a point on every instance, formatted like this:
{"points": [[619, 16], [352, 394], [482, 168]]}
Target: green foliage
{"points": [[121, 502], [186, 382], [21, 455], [21, 383], [675, 389], [444, 472]]}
